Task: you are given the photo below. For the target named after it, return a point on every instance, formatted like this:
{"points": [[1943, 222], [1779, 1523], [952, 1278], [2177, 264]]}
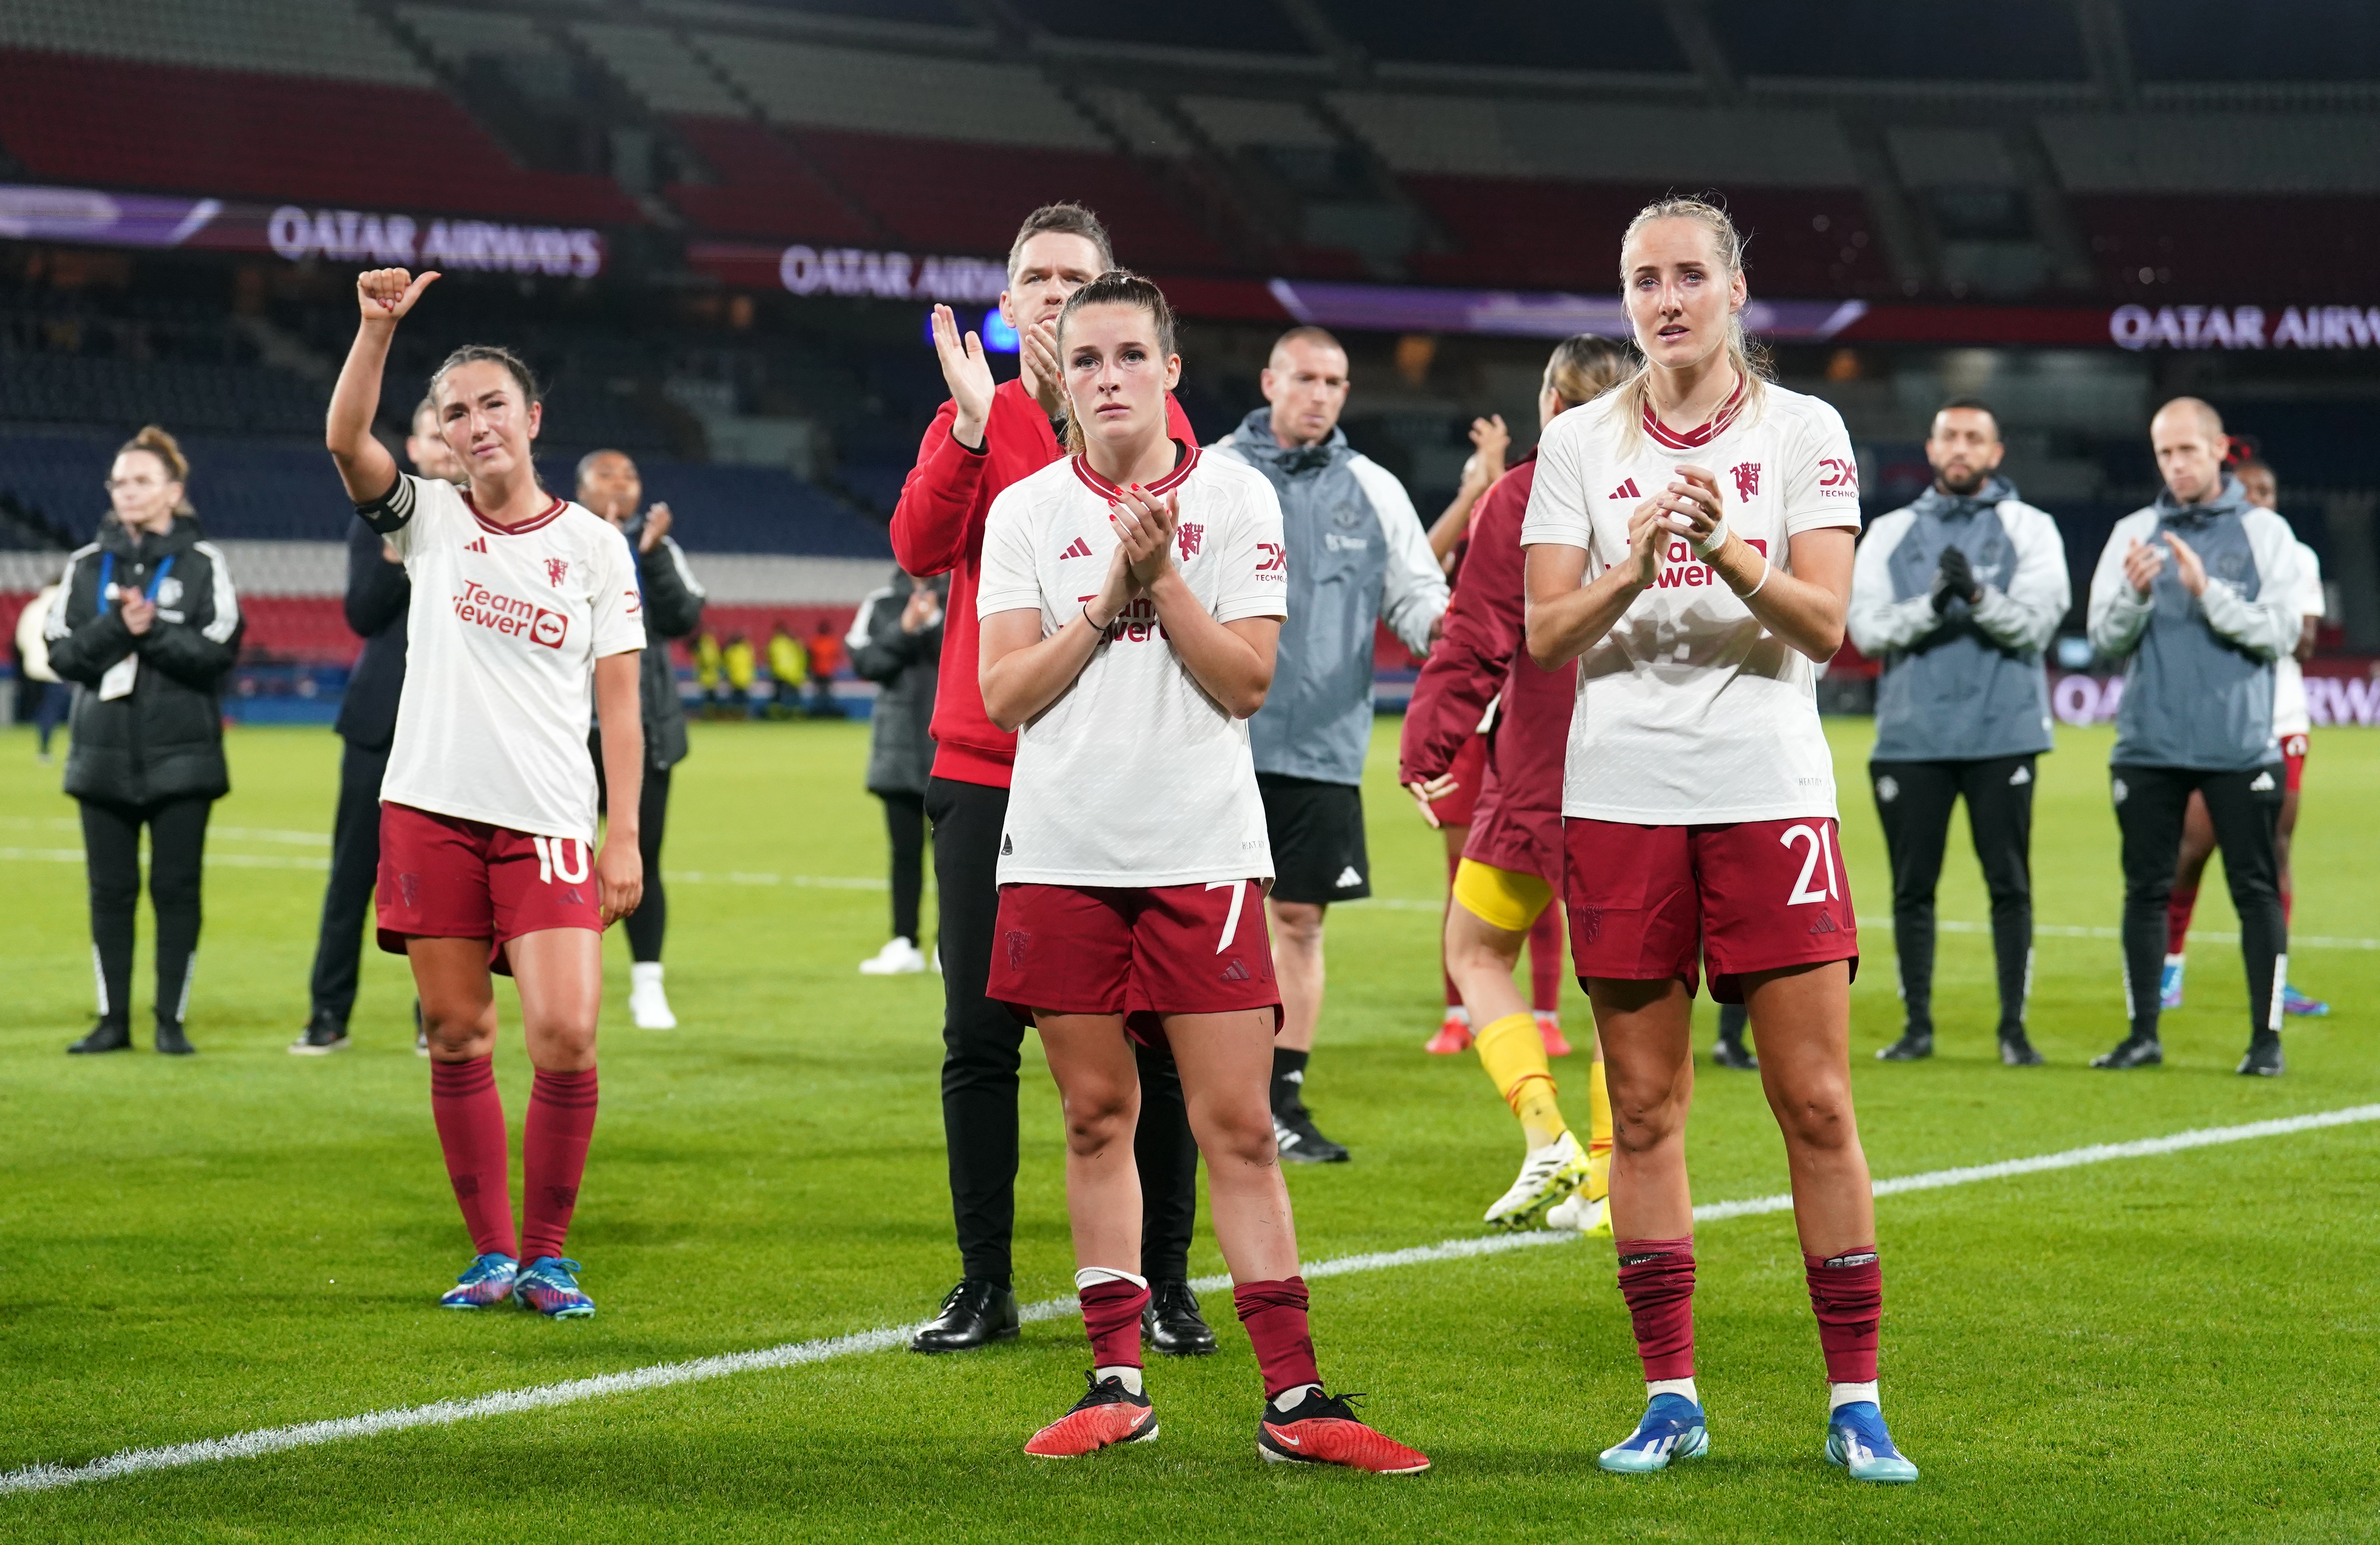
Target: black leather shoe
{"points": [[2263, 1058], [105, 1036], [173, 1042], [978, 1311], [323, 1035], [1912, 1046], [2017, 1050], [1735, 1054], [2131, 1052], [1172, 1323]]}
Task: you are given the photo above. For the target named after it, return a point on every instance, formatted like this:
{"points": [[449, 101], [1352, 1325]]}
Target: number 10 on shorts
{"points": [[554, 856]]}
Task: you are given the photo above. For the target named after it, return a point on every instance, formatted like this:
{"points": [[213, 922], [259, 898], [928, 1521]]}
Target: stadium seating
{"points": [[939, 196], [2169, 249], [764, 188], [360, 144], [1533, 232]]}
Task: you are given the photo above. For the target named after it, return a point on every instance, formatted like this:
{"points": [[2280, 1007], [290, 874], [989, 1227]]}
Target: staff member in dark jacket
{"points": [[378, 595], [897, 642], [609, 485], [146, 627]]}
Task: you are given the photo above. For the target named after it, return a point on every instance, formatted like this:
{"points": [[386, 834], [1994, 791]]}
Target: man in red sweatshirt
{"points": [[985, 438]]}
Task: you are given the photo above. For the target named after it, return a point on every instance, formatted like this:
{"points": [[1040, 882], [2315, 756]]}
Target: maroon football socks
{"points": [[553, 1158], [470, 1117], [1657, 1277], [1274, 1314], [1847, 1293], [1112, 1317]]}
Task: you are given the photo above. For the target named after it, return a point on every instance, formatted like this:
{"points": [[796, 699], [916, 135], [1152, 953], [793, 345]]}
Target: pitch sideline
{"points": [[276, 1440]]}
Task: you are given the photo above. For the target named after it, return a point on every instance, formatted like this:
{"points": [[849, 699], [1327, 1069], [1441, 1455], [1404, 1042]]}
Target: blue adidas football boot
{"points": [[1856, 1440], [1672, 1428]]}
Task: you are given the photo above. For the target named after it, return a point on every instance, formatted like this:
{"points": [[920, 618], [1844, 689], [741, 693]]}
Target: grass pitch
{"points": [[2181, 1348]]}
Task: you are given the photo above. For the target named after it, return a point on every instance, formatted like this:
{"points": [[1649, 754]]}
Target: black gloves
{"points": [[1955, 579]]}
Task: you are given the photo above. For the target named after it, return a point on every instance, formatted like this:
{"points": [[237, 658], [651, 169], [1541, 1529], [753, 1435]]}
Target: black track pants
{"points": [[646, 926], [2246, 808], [177, 842], [354, 866], [1913, 800], [904, 822], [981, 1042]]}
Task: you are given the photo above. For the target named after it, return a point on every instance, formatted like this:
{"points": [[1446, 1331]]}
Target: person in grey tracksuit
{"points": [[1358, 556], [2198, 593], [1956, 596]]}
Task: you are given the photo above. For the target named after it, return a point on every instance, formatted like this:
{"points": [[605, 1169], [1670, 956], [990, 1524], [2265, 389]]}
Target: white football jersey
{"points": [[1135, 777], [505, 627], [2289, 714], [1689, 711]]}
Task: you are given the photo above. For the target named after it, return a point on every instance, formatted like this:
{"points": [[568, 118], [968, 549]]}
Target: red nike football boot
{"points": [[1108, 1414], [1322, 1429]]}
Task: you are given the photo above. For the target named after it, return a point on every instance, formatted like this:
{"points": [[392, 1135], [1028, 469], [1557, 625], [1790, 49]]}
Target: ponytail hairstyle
{"points": [[1117, 286], [153, 440], [1749, 358], [1583, 367]]}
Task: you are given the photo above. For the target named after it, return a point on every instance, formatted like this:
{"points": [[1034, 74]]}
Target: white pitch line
{"points": [[539, 1397]]}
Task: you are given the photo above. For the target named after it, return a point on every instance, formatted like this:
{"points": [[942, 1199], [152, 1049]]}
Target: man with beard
{"points": [[1956, 596]]}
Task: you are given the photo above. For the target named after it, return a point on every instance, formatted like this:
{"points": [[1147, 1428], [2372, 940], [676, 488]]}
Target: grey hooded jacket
{"points": [[2198, 692], [1966, 683], [1357, 555]]}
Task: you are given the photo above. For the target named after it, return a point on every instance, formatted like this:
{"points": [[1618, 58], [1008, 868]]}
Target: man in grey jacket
{"points": [[1956, 596], [2199, 591], [1357, 557]]}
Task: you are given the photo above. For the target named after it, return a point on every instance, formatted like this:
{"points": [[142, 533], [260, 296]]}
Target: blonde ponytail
{"points": [[1744, 352], [1582, 368]]}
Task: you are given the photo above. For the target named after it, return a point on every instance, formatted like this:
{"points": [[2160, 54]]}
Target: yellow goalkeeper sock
{"points": [[1598, 1134], [1515, 1055]]}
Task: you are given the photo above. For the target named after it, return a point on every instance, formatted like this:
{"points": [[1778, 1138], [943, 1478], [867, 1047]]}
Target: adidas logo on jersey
{"points": [[1627, 489], [1080, 549], [1007, 847], [478, 545], [2263, 784], [1348, 877]]}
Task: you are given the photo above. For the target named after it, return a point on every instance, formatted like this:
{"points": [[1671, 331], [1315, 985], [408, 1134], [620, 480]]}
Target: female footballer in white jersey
{"points": [[1131, 599], [521, 602], [1689, 543]]}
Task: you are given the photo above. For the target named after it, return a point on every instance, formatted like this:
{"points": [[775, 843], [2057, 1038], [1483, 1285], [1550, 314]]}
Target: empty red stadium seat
{"points": [[763, 189], [942, 197], [117, 122], [1530, 233]]}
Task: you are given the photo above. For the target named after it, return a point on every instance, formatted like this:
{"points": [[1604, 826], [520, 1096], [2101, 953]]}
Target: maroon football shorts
{"points": [[1469, 769], [1754, 895], [1141, 951], [442, 877]]}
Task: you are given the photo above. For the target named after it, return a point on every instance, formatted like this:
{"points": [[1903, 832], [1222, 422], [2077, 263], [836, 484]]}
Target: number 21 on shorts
{"points": [[1820, 839], [554, 854]]}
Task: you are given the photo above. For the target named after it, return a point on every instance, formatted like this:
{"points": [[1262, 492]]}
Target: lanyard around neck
{"points": [[107, 577]]}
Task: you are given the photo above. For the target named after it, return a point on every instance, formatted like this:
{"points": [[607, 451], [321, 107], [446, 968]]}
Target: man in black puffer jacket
{"points": [[146, 627], [609, 485]]}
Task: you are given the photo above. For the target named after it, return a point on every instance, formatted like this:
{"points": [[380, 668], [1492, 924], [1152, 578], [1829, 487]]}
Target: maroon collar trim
{"points": [[545, 517], [1701, 435], [1165, 484]]}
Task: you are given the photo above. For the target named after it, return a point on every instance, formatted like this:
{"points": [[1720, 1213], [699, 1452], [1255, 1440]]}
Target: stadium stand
{"points": [[1601, 35]]}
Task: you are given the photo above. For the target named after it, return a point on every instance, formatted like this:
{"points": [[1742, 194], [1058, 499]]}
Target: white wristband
{"points": [[1708, 547]]}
